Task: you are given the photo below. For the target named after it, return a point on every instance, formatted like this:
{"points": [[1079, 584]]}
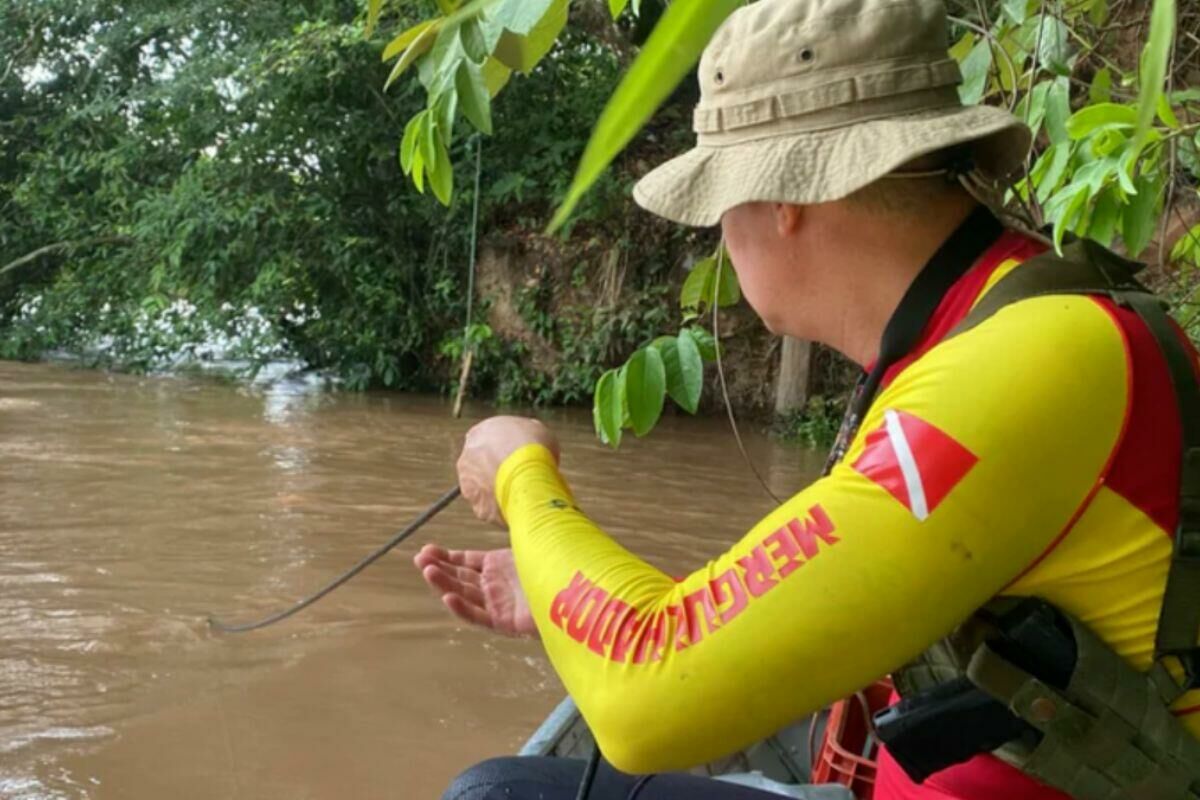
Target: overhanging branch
{"points": [[63, 246]]}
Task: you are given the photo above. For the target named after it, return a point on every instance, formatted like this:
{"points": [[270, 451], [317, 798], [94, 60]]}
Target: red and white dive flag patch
{"points": [[915, 462]]}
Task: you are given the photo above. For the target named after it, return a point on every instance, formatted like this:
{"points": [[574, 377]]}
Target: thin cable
{"points": [[468, 350], [716, 331], [412, 527], [474, 231]]}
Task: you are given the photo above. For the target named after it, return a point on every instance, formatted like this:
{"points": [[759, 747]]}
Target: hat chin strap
{"points": [[966, 174]]}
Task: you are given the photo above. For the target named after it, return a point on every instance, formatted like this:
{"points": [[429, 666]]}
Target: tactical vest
{"points": [[1107, 732]]}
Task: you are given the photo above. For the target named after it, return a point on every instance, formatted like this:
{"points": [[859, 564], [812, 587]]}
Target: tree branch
{"points": [[61, 246]]}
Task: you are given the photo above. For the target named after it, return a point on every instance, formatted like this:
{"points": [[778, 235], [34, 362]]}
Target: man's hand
{"points": [[479, 586], [486, 446]]}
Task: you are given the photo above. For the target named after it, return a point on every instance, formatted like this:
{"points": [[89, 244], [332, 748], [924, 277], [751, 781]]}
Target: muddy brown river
{"points": [[131, 507]]}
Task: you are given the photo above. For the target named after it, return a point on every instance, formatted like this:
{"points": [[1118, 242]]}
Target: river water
{"points": [[132, 507]]}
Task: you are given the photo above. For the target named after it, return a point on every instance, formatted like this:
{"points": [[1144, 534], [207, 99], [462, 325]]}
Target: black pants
{"points": [[532, 778]]}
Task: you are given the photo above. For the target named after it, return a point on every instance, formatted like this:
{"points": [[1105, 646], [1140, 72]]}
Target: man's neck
{"points": [[875, 260]]}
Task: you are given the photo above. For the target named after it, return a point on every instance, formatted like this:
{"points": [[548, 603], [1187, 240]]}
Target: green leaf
{"points": [[373, 9], [1097, 117], [418, 171], [439, 68], [473, 41], [1064, 209], [684, 369], [1107, 142], [1056, 168], [962, 47], [1154, 65], [1016, 10], [976, 68], [615, 7], [473, 95], [608, 408], [667, 57], [645, 389], [398, 45], [1095, 174], [1167, 114], [444, 107], [1137, 228], [1188, 152], [1032, 107], [1098, 12], [522, 52], [697, 287], [495, 76], [1186, 251], [729, 293], [441, 177], [419, 46], [469, 11], [1101, 89], [704, 340], [408, 144], [428, 140], [1058, 109], [1106, 213], [1055, 52], [520, 16], [1127, 166]]}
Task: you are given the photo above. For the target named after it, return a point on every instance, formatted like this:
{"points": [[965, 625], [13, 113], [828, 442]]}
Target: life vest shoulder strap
{"points": [[1086, 267]]}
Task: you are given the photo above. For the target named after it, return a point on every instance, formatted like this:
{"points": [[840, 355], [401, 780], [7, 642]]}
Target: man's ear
{"points": [[788, 218]]}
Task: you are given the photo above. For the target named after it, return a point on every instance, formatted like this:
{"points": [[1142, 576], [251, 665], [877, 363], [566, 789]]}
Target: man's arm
{"points": [[965, 471]]}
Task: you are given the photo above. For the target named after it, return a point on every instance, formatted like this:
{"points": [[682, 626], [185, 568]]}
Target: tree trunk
{"points": [[791, 384]]}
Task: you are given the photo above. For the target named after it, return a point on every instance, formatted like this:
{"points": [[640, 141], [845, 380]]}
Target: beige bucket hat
{"points": [[806, 101]]}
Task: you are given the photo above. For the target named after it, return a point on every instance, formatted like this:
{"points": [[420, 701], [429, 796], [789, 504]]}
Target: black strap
{"points": [[1179, 619], [970, 240], [1084, 268]]}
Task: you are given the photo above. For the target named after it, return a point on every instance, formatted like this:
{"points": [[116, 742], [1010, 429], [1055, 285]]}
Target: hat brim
{"points": [[696, 188]]}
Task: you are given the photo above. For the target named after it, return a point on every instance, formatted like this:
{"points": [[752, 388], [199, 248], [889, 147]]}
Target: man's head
{"points": [[805, 107], [808, 101], [791, 258]]}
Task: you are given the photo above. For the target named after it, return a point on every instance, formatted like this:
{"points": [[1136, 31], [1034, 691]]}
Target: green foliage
{"points": [[1102, 161], [701, 289], [667, 57], [816, 425], [608, 411], [670, 365], [683, 369], [250, 164], [645, 380], [464, 56], [1154, 66]]}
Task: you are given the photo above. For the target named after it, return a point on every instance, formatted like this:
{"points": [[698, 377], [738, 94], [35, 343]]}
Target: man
{"points": [[1032, 453]]}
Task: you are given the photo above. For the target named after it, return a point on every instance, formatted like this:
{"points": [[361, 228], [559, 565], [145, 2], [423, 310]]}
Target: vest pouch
{"points": [[947, 725], [944, 718], [1106, 735]]}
